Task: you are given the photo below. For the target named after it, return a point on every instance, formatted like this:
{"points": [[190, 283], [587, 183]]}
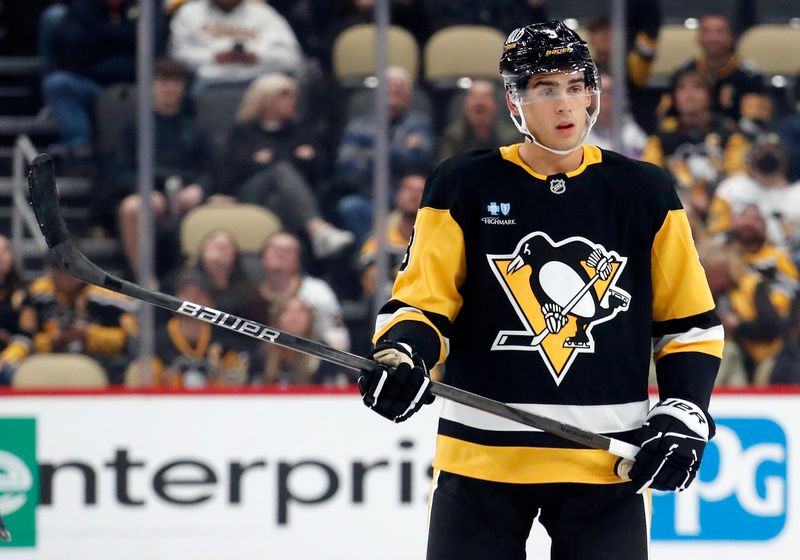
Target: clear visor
{"points": [[548, 87]]}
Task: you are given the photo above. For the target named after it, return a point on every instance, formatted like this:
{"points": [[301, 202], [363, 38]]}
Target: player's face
{"points": [[554, 106]]}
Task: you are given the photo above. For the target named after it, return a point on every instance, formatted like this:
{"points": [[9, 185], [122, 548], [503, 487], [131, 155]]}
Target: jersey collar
{"points": [[591, 155]]}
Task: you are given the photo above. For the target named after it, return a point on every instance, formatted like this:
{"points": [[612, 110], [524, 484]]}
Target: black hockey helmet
{"points": [[545, 47]]}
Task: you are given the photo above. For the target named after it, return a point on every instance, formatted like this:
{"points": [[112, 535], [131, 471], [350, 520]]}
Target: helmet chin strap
{"points": [[522, 126]]}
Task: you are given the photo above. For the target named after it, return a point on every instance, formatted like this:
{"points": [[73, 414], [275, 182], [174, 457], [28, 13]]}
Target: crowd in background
{"points": [[301, 146]]}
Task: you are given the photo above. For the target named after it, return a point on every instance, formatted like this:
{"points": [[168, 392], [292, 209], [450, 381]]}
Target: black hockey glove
{"points": [[399, 385], [672, 441]]}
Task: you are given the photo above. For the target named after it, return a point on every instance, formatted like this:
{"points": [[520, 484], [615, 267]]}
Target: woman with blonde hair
{"points": [[288, 367], [272, 159]]}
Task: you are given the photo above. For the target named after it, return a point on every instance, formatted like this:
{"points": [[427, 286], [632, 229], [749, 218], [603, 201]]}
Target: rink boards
{"points": [[312, 474]]}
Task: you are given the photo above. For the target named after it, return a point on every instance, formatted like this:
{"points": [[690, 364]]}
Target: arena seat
{"points": [[57, 371], [463, 51], [354, 53], [773, 48], [248, 223], [676, 45]]}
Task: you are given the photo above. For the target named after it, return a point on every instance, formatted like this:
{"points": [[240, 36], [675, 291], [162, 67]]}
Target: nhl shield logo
{"points": [[560, 292], [557, 186]]}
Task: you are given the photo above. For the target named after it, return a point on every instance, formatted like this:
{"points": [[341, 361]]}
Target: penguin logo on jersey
{"points": [[560, 291]]}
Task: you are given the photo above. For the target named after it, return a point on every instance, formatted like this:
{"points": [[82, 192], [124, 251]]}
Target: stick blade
{"points": [[44, 199]]}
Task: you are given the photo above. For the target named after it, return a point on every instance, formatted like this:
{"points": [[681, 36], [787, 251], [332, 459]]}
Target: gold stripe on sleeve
{"points": [[436, 265], [680, 288], [711, 347]]}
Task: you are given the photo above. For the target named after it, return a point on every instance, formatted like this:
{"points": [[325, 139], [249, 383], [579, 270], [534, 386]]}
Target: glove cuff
{"points": [[393, 354], [688, 413]]}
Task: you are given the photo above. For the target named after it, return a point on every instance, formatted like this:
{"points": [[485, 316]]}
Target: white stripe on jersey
{"points": [[694, 334], [603, 419]]}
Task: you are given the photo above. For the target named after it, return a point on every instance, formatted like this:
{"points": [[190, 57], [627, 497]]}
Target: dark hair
{"points": [[681, 74], [419, 169], [170, 69], [275, 234]]}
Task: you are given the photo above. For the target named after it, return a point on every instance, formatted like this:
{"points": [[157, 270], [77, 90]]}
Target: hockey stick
{"points": [[44, 199]]}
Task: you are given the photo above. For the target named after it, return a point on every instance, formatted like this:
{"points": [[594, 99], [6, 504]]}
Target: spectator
{"points": [[478, 127], [284, 279], [233, 41], [697, 146], [761, 295], [765, 185], [268, 131], [95, 46], [411, 145], [288, 367], [632, 137], [399, 227], [219, 262], [181, 171], [62, 314], [748, 236], [644, 20], [191, 353], [737, 90], [268, 157], [12, 293], [723, 267]]}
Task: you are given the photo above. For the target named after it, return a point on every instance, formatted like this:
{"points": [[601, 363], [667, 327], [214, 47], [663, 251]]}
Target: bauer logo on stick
{"points": [[560, 291]]}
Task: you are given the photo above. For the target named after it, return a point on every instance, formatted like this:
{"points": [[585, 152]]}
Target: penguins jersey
{"points": [[547, 293]]}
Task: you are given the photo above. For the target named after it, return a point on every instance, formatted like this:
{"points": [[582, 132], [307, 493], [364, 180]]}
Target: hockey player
{"points": [[540, 274]]}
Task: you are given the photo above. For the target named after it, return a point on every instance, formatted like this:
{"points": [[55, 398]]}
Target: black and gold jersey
{"points": [[550, 293], [45, 310]]}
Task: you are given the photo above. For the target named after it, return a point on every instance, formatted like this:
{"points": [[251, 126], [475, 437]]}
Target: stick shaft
{"points": [[44, 199]]}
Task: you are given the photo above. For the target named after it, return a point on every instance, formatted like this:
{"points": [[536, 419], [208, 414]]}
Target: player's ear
{"points": [[511, 106]]}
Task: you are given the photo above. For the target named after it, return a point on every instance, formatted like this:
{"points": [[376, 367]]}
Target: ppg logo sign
{"points": [[740, 493]]}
